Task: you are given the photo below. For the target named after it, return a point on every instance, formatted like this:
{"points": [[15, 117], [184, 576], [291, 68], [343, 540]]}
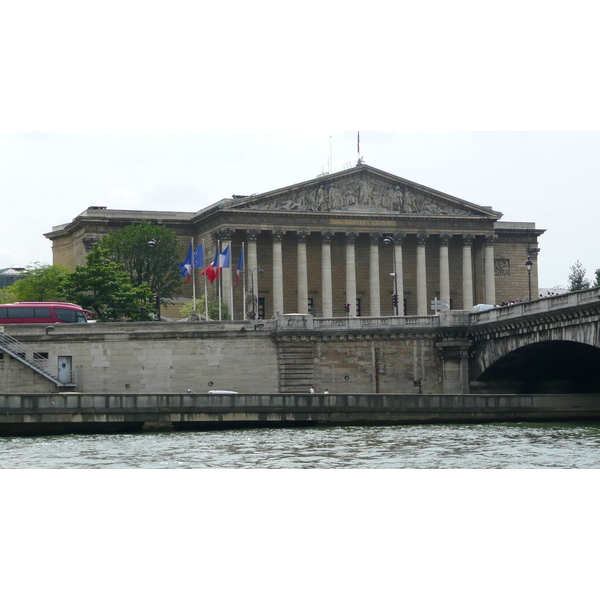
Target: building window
{"points": [[261, 308], [358, 308], [311, 306]]}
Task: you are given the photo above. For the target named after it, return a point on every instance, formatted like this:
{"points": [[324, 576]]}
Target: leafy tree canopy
{"points": [[103, 287], [156, 264], [597, 282], [41, 284], [577, 280]]}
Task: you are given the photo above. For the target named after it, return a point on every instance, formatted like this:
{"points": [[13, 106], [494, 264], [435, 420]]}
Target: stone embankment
{"points": [[43, 414]]}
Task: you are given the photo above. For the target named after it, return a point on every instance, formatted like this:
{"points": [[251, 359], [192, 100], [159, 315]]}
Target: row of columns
{"points": [[374, 282]]}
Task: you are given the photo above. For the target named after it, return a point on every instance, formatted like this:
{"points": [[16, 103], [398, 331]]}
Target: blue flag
{"points": [[186, 265]]}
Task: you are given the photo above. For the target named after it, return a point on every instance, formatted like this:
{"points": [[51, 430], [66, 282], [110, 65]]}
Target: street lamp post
{"points": [[529, 264], [395, 300], [152, 243], [256, 270]]}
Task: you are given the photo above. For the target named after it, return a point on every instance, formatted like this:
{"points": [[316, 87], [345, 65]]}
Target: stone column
{"points": [[226, 287], [277, 272], [399, 237], [374, 280], [302, 273], [326, 285], [490, 276], [421, 274], [252, 269], [351, 299], [467, 273], [444, 267]]}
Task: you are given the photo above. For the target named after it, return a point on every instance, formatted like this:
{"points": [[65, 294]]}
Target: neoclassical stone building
{"points": [[341, 245]]}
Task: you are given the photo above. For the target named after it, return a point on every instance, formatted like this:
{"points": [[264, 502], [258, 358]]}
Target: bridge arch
{"points": [[545, 367]]}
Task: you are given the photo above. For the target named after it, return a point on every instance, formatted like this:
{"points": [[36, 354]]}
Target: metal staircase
{"points": [[33, 360]]}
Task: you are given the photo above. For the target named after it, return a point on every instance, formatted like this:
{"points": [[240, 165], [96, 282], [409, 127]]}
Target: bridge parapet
{"points": [[579, 299]]}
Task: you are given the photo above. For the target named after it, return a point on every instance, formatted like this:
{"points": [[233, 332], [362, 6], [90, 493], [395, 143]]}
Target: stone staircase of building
{"points": [[296, 366], [33, 360]]}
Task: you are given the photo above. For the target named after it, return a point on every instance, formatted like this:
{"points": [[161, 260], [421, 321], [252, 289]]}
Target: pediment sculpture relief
{"points": [[359, 195]]}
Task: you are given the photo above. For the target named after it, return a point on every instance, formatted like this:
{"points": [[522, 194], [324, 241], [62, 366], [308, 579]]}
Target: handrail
{"points": [[32, 359]]}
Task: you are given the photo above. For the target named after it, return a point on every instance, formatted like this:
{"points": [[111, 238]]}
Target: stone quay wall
{"points": [[247, 357], [71, 412]]}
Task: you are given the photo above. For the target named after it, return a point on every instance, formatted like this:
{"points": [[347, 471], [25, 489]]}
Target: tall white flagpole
{"points": [[193, 277], [231, 278], [220, 278], [205, 285], [243, 284]]}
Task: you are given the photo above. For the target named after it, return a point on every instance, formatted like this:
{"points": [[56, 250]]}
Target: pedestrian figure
{"points": [[312, 389], [326, 391]]}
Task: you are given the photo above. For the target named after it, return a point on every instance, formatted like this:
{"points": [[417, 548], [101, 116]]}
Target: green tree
{"points": [[155, 264], [597, 282], [103, 287], [6, 295], [577, 280], [213, 309], [41, 284]]}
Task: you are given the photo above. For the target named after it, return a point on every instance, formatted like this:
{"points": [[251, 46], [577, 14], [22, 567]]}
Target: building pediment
{"points": [[362, 190]]}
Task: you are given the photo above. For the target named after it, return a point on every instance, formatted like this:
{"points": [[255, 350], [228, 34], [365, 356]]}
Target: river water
{"points": [[478, 446]]}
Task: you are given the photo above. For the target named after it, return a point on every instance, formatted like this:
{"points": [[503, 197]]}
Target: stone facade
{"points": [[318, 246]]}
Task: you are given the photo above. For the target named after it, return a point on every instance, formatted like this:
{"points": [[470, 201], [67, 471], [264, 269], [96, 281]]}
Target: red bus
{"points": [[43, 312]]}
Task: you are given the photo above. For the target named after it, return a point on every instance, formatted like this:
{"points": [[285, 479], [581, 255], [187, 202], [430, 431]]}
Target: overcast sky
{"points": [[551, 179]]}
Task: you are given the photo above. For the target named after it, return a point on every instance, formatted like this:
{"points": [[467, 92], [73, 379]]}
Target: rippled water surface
{"points": [[489, 446]]}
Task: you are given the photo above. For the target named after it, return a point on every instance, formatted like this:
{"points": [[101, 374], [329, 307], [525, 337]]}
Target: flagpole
{"points": [[243, 284], [230, 281], [220, 278], [205, 286], [193, 277]]}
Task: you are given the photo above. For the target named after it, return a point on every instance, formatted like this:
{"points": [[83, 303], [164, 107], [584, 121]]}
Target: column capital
{"points": [[327, 236], [252, 234], [375, 238], [224, 235], [445, 238], [351, 237], [489, 240], [468, 239], [422, 238], [533, 253], [302, 236], [277, 236]]}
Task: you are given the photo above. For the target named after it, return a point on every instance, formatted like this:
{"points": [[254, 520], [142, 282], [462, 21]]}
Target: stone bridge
{"points": [[550, 345]]}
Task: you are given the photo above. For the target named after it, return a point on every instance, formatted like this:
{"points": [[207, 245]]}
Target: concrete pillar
{"points": [[467, 272], [302, 273], [326, 285], [444, 267], [277, 272], [421, 274], [374, 280], [490, 276], [455, 366], [351, 299]]}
